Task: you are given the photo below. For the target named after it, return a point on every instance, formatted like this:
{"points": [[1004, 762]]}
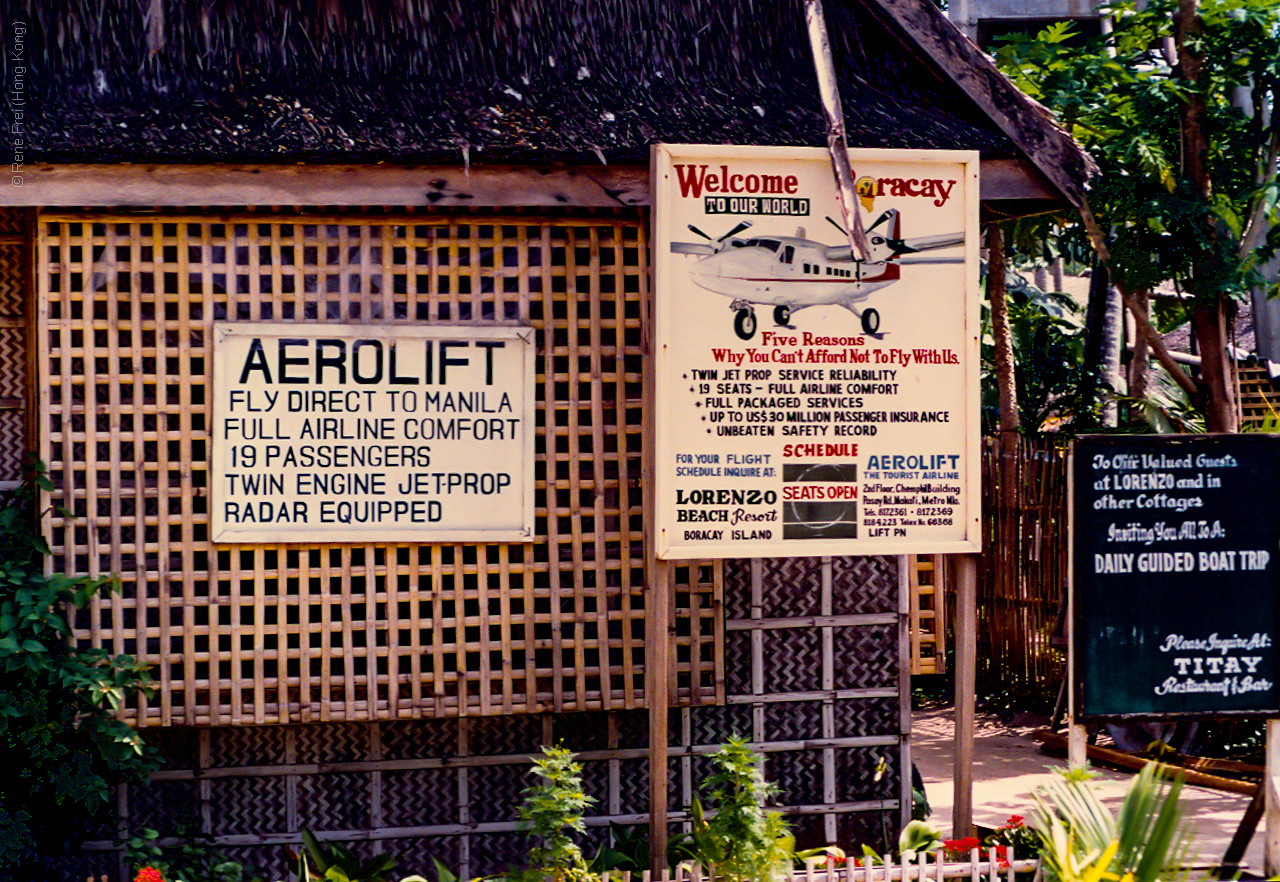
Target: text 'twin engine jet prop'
{"points": [[791, 273]]}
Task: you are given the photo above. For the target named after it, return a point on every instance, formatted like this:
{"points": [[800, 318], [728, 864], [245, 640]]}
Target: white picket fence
{"points": [[926, 868]]}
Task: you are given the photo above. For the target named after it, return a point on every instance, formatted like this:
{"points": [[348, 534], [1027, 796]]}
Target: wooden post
{"points": [[657, 665], [966, 686], [1271, 860]]}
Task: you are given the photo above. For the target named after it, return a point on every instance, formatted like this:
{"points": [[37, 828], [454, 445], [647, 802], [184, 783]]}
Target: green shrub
{"points": [[553, 811], [60, 742], [741, 841]]}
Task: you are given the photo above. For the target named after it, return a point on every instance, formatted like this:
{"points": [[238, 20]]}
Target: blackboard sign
{"points": [[1175, 541]]}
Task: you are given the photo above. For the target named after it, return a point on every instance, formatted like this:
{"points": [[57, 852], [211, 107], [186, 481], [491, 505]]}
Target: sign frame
{"points": [[668, 223], [1085, 703], [523, 485]]}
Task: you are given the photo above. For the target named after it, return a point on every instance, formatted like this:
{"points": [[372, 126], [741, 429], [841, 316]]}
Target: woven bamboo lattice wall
{"points": [[14, 260], [296, 633], [813, 677]]}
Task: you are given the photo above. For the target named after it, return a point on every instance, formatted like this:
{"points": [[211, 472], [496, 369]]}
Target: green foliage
{"points": [[627, 849], [59, 738], [1081, 841], [192, 859], [740, 841], [1047, 331], [918, 838], [334, 863], [1119, 96], [1015, 834], [553, 810]]}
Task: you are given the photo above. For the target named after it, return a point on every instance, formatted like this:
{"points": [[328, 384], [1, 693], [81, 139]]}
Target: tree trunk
{"points": [[1209, 312], [1094, 318], [1141, 361], [1209, 319], [1112, 332], [1006, 378]]}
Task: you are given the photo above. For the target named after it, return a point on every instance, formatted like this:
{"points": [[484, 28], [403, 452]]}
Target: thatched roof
{"points": [[452, 81]]}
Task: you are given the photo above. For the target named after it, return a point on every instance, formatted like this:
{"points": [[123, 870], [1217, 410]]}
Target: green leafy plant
{"points": [[918, 838], [741, 840], [335, 863], [192, 859], [1081, 841], [627, 849], [60, 739], [553, 811], [1016, 834]]}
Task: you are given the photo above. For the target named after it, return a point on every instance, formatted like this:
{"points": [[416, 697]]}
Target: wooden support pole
{"points": [[656, 670], [1271, 784], [966, 688]]}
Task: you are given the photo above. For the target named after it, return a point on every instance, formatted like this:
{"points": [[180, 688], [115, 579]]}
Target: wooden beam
{"points": [[1271, 851], [147, 186], [1137, 763], [1029, 125], [966, 692], [1013, 179], [127, 185]]}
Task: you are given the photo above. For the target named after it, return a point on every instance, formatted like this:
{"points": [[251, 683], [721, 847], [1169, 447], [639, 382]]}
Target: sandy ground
{"points": [[1008, 766]]}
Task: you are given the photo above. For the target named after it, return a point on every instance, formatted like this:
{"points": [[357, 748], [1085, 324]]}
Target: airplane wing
{"points": [[929, 243], [838, 252], [906, 260], [691, 248]]}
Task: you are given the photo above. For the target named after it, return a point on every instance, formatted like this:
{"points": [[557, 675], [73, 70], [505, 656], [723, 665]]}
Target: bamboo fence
{"points": [[1022, 576]]}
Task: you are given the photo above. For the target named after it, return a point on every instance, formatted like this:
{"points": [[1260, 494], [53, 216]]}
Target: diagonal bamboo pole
{"points": [[828, 90]]}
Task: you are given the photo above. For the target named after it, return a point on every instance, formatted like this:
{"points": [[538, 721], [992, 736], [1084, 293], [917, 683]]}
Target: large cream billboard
{"points": [[813, 399]]}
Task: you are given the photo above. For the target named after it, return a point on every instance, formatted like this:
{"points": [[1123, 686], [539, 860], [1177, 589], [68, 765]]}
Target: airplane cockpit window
{"points": [[787, 254], [771, 244]]}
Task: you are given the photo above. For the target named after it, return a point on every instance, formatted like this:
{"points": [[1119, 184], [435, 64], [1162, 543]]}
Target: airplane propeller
{"points": [[735, 231], [716, 246]]}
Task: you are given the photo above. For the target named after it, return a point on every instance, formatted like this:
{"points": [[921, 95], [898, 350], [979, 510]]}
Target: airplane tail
{"points": [[885, 235]]}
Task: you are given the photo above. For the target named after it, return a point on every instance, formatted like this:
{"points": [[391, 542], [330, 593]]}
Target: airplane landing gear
{"points": [[744, 323], [782, 315], [870, 321]]}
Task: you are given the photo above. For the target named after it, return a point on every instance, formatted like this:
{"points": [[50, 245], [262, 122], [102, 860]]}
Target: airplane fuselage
{"points": [[781, 270]]}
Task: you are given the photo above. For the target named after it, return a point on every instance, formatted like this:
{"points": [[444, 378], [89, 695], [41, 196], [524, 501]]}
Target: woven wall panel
{"points": [[13, 275], [792, 720], [854, 717], [866, 658], [278, 634], [341, 801], [420, 796], [248, 804], [864, 585], [496, 791], [13, 444], [477, 767], [13, 362], [795, 660]]}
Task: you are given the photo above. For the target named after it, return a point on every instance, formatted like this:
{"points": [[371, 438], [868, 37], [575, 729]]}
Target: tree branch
{"points": [[1148, 331]]}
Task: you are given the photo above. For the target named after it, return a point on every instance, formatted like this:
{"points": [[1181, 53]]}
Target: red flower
{"points": [[961, 848], [1002, 855], [148, 874], [1014, 821]]}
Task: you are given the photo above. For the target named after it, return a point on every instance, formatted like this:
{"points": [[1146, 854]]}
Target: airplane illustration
{"points": [[791, 273]]}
